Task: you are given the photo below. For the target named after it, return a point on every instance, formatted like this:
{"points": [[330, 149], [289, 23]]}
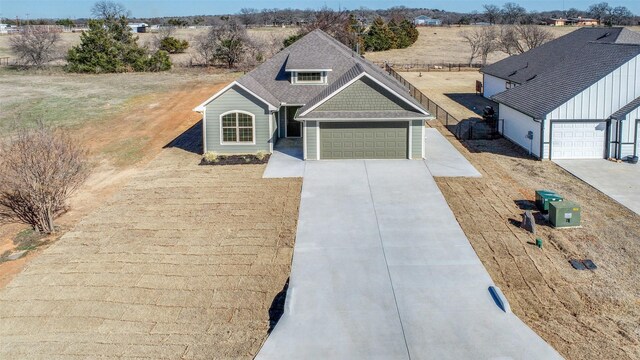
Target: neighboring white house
{"points": [[138, 27], [4, 28], [424, 20], [576, 97]]}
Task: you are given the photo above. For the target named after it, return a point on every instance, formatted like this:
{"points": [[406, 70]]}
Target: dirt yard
{"points": [[184, 262], [123, 119], [583, 314]]}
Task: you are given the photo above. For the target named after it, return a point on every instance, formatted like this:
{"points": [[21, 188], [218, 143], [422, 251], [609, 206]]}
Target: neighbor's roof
{"points": [[620, 114], [317, 49], [565, 79], [524, 67]]}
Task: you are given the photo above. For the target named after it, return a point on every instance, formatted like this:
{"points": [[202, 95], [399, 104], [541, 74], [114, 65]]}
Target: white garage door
{"points": [[578, 140]]}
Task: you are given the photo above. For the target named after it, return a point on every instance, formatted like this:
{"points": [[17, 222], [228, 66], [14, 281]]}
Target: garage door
{"points": [[578, 140], [363, 140]]}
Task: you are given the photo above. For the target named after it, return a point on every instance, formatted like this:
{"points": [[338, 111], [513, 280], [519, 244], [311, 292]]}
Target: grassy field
{"points": [[445, 45], [267, 37]]}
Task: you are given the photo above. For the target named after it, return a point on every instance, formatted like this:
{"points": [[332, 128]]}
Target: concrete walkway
{"points": [[618, 181], [382, 270], [286, 161], [443, 159]]}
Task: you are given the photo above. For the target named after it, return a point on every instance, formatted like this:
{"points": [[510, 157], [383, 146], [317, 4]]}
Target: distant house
{"points": [[4, 28], [557, 22], [424, 20], [138, 27], [580, 21], [576, 97]]}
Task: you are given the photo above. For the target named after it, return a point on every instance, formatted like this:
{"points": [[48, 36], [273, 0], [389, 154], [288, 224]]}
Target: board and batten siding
{"points": [[600, 100], [516, 127], [364, 95], [311, 140], [236, 98], [417, 139], [492, 85]]}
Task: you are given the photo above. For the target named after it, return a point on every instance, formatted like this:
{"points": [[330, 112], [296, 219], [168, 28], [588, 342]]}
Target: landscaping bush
{"points": [[173, 45], [109, 47], [39, 170], [211, 158]]}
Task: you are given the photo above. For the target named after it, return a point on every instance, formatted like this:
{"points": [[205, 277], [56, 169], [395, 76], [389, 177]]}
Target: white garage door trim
{"points": [[578, 140]]}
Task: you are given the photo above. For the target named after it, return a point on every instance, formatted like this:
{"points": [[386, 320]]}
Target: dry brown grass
{"points": [[184, 262], [444, 45]]}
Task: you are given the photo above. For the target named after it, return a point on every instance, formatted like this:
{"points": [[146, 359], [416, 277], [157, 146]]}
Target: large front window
{"points": [[237, 128]]}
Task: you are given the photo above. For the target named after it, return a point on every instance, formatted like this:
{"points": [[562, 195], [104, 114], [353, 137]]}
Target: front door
{"points": [[294, 128]]}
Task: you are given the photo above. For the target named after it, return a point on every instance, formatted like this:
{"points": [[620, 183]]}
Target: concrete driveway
{"points": [[618, 181], [382, 270]]}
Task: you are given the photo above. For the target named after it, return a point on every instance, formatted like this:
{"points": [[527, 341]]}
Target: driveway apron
{"points": [[381, 269]]}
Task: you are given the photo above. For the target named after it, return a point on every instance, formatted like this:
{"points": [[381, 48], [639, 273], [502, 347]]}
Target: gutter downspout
{"points": [[619, 140], [542, 140]]}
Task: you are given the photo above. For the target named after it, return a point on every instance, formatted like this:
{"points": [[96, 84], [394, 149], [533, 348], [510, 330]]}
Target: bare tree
{"points": [[481, 42], [108, 10], [225, 43], [517, 39], [35, 46], [491, 13], [249, 16], [39, 170], [600, 11], [620, 15], [512, 13]]}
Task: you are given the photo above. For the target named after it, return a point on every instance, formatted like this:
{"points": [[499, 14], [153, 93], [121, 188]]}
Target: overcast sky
{"points": [[160, 8]]}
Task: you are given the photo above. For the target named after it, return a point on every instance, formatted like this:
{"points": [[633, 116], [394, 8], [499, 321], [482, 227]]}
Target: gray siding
{"points": [[417, 141], [237, 99], [311, 128], [364, 95]]}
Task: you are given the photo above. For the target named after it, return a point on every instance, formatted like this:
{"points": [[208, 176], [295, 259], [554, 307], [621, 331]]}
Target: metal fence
{"points": [[427, 67], [436, 110]]}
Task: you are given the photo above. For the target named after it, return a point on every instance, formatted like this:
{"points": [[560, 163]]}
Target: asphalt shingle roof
{"points": [[524, 67], [317, 49], [626, 109], [564, 80]]}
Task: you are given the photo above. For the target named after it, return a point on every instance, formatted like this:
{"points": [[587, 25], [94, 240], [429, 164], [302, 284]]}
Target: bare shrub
{"points": [[517, 39], [482, 42], [225, 43], [39, 170], [35, 46]]}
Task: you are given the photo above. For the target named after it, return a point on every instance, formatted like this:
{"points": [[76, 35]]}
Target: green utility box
{"points": [[543, 197], [564, 214]]}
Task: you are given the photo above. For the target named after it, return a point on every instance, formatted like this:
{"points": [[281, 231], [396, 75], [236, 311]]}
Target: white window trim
{"points": [[296, 81], [253, 123]]}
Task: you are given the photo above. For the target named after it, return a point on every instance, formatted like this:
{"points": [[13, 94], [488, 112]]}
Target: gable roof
{"points": [[355, 73], [316, 50], [564, 80], [524, 67]]}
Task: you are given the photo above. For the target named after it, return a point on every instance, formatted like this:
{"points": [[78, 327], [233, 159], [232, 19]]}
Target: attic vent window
{"points": [[309, 77]]}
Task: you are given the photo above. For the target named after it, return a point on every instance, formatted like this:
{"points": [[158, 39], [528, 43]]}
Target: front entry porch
{"points": [[286, 160]]}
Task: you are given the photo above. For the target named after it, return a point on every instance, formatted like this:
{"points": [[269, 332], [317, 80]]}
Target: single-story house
{"points": [[575, 97], [138, 27], [317, 89], [424, 20], [556, 22], [580, 21]]}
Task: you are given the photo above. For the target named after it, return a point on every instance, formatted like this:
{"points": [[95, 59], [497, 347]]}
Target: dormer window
{"points": [[309, 77]]}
